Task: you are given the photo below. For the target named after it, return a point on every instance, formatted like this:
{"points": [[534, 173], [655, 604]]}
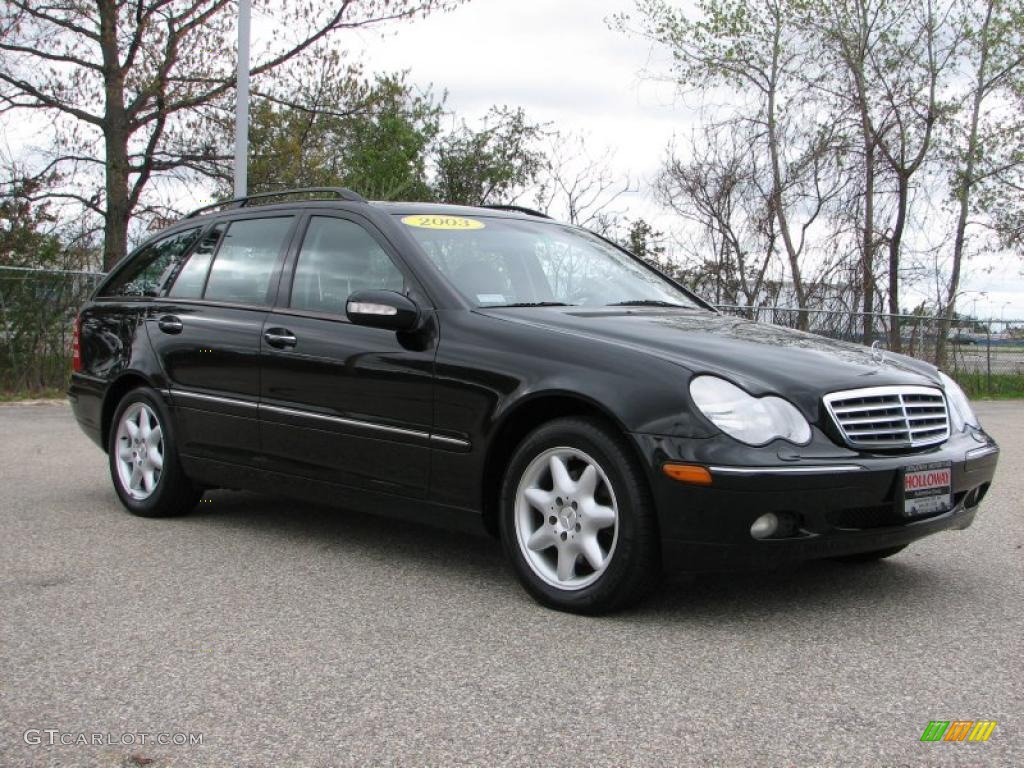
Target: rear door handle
{"points": [[280, 338], [170, 324]]}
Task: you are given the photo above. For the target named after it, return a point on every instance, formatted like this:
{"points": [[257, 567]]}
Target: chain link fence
{"points": [[38, 308], [37, 312]]}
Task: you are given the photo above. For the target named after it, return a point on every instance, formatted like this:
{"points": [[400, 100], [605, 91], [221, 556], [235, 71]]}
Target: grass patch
{"points": [[998, 386], [17, 395]]}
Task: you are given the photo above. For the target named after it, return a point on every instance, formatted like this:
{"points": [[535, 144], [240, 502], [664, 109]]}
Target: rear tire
{"points": [[143, 458], [577, 520], [871, 557]]}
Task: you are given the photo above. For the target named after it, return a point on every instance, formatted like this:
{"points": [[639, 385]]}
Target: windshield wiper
{"points": [[530, 304], [646, 303]]}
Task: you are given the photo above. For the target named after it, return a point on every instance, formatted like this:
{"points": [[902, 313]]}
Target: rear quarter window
{"points": [[191, 278], [146, 272]]}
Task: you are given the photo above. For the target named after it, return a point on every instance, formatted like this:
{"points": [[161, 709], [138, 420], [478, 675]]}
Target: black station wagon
{"points": [[492, 368]]}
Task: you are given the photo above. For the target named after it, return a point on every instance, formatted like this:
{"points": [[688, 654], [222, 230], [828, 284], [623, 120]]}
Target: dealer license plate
{"points": [[927, 488]]}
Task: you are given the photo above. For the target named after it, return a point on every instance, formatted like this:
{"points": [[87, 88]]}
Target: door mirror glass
{"points": [[382, 309]]}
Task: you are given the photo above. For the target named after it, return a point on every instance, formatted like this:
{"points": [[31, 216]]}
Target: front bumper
{"points": [[834, 501]]}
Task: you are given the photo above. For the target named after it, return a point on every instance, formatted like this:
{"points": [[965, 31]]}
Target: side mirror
{"points": [[382, 309]]}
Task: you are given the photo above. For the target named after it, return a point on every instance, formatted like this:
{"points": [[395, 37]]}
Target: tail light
{"points": [[76, 349]]}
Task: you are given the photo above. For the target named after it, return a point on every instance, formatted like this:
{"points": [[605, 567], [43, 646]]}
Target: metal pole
{"points": [[988, 359], [242, 103]]}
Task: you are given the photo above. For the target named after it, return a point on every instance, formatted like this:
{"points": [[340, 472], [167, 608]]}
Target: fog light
{"points": [[764, 526]]}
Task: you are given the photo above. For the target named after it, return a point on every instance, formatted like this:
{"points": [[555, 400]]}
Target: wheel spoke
{"points": [[148, 480], [560, 476], [132, 427], [539, 499], [144, 426], [592, 551], [599, 516], [541, 539], [155, 435], [124, 450], [587, 483], [136, 478], [566, 564], [156, 458]]}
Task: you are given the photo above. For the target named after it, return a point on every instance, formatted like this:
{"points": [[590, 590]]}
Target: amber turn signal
{"points": [[688, 473]]}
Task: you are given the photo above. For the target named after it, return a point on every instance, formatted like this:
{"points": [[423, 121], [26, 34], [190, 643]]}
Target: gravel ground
{"points": [[293, 635]]}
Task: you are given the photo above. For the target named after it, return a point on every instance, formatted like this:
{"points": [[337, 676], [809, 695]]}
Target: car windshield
{"points": [[499, 262]]}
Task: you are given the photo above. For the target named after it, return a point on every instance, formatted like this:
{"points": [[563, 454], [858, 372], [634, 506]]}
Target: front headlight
{"points": [[749, 419], [960, 411]]}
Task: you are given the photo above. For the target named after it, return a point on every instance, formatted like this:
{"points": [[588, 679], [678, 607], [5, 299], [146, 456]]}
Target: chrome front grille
{"points": [[890, 417]]}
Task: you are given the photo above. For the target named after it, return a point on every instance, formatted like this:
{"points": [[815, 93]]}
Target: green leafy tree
{"points": [[329, 126], [645, 242], [37, 304], [491, 164], [24, 237]]}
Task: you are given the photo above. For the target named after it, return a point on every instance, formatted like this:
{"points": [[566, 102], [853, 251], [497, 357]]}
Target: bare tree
{"points": [[125, 84], [908, 74], [736, 239], [895, 57], [848, 33], [757, 49], [578, 187], [994, 59]]}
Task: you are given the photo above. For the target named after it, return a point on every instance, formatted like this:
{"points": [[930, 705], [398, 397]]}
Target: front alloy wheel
{"points": [[566, 518], [577, 520]]}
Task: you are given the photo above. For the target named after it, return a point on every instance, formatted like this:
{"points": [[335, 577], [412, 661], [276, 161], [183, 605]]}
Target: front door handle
{"points": [[280, 338], [170, 324]]}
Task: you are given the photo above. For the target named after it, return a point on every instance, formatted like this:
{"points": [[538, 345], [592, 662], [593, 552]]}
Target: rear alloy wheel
{"points": [[143, 463], [577, 521], [140, 451]]}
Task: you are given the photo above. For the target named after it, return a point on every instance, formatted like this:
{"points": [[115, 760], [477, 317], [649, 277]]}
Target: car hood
{"points": [[759, 357]]}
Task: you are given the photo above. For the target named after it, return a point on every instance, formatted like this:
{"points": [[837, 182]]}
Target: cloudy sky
{"points": [[562, 63], [557, 60]]}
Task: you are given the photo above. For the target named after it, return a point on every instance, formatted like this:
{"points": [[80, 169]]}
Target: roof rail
{"points": [[517, 209], [242, 202]]}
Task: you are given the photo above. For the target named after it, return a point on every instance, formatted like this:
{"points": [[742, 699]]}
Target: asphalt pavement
{"points": [[283, 634]]}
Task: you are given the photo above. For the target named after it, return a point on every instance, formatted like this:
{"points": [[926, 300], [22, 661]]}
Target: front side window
{"points": [[511, 262], [246, 260], [145, 274], [339, 257]]}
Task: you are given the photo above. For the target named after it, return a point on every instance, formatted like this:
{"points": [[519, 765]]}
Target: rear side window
{"points": [[245, 262], [145, 274], [192, 277], [339, 257]]}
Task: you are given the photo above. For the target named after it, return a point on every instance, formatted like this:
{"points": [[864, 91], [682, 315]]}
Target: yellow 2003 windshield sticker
{"points": [[437, 221]]}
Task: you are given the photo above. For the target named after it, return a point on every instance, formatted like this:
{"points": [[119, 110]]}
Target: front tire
{"points": [[577, 520], [143, 459]]}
